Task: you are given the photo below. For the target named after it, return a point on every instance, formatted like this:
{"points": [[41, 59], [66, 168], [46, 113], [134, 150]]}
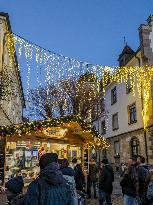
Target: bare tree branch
{"points": [[69, 96]]}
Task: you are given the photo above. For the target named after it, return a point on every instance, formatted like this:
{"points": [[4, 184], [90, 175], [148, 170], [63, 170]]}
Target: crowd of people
{"points": [[61, 184], [136, 182], [57, 184]]}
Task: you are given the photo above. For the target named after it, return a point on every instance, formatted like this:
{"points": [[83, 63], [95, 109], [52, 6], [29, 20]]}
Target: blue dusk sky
{"points": [[87, 30]]}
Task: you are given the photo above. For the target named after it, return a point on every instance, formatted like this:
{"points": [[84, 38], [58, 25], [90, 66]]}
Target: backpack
{"points": [[130, 182], [143, 174]]}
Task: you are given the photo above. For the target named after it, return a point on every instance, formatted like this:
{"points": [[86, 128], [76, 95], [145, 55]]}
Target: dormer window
{"points": [[126, 55]]}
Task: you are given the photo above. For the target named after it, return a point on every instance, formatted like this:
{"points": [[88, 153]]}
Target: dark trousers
{"points": [[91, 183], [104, 197]]}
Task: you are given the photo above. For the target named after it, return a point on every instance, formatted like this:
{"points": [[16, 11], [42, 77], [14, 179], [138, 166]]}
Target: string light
{"points": [[34, 126], [139, 78], [28, 55], [11, 48], [60, 68]]}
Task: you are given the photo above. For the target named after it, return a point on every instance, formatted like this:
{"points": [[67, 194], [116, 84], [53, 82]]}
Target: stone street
{"points": [[117, 197]]}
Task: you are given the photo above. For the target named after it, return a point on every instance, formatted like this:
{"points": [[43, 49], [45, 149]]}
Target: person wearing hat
{"points": [[50, 187], [13, 191]]}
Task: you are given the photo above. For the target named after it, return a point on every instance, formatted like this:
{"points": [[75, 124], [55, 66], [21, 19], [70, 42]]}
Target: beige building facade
{"points": [[121, 120]]}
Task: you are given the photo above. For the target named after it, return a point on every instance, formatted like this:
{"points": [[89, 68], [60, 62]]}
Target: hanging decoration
{"points": [[60, 68], [140, 80]]}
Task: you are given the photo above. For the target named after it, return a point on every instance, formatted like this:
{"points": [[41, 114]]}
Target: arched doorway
{"points": [[135, 147]]}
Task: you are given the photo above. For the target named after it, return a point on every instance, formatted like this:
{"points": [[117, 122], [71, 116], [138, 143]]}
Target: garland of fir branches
{"points": [[28, 127]]}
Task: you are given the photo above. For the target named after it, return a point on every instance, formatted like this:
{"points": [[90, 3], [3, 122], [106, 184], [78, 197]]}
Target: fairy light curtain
{"points": [[45, 69], [42, 70]]}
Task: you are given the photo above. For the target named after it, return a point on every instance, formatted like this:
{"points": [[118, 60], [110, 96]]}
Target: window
{"points": [[103, 128], [132, 114], [115, 121], [102, 103], [135, 147], [116, 148], [129, 87], [113, 95]]}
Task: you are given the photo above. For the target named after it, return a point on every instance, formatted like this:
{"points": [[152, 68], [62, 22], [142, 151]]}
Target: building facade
{"points": [[120, 119], [11, 93]]}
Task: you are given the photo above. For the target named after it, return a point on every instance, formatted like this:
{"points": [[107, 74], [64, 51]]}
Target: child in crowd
{"points": [[13, 191]]}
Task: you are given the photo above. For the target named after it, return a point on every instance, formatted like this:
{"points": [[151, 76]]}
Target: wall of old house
{"points": [[144, 56], [12, 105], [125, 145], [146, 45]]}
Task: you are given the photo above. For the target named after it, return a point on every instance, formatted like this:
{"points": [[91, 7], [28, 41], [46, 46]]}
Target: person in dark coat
{"points": [[144, 176], [150, 188], [13, 191], [130, 183], [92, 178], [106, 179], [50, 187], [78, 176]]}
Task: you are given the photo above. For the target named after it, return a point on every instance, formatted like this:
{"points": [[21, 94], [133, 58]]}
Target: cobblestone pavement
{"points": [[116, 196]]}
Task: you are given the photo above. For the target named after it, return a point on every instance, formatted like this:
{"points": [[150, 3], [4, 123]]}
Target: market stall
{"points": [[68, 137]]}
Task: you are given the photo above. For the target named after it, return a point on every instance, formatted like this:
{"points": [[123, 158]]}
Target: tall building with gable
{"points": [[11, 92], [119, 117]]}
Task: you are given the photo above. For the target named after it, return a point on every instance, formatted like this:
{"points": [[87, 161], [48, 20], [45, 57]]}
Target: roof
{"points": [[15, 57], [150, 19], [70, 125], [126, 50]]}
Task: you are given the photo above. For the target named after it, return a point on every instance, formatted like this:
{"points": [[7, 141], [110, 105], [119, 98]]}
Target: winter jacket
{"points": [[106, 179], [93, 170], [18, 200], [68, 174], [143, 174], [150, 192], [79, 178], [49, 189], [130, 182]]}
